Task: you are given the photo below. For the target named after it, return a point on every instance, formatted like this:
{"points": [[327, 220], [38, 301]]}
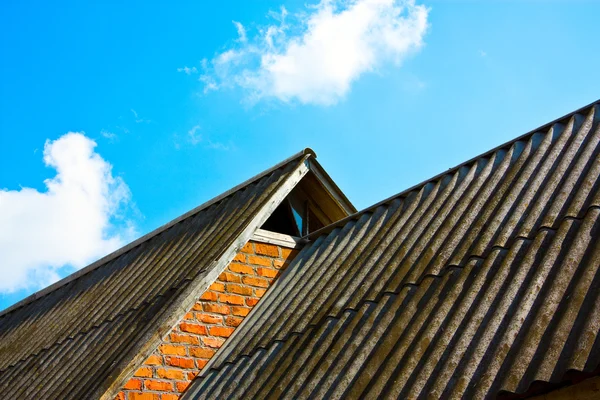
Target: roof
{"points": [[81, 337], [480, 282]]}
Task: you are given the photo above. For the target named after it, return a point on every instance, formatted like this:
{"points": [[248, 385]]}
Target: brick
{"points": [[209, 319], [217, 287], [251, 301], [181, 362], [233, 321], [192, 328], [142, 396], [239, 257], [197, 307], [266, 249], [202, 352], [255, 281], [259, 292], [172, 350], [201, 363], [213, 342], [216, 308], [231, 299], [248, 248], [174, 374], [179, 338], [133, 384], [120, 396], [229, 277], [169, 396], [268, 272], [221, 331], [181, 386], [263, 261], [143, 372], [154, 360], [278, 264], [162, 386], [211, 296], [240, 311], [241, 269], [189, 316], [288, 254], [239, 289], [191, 375]]}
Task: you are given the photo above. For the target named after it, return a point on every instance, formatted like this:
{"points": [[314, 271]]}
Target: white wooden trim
{"points": [[278, 239]]}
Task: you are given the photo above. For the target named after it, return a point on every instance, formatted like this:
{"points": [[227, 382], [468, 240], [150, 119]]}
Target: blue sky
{"points": [[388, 96]]}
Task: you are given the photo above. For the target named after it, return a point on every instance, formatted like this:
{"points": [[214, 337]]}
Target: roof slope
{"points": [[482, 281], [84, 335]]}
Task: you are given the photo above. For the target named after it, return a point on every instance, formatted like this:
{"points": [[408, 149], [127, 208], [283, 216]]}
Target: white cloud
{"points": [[316, 57], [72, 223], [194, 136]]}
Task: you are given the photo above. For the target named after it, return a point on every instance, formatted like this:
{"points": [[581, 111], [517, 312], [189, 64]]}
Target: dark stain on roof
{"points": [[481, 282]]}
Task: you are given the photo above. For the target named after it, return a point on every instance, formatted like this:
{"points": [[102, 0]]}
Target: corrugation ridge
{"points": [[90, 329], [289, 301], [453, 304], [549, 307], [328, 283], [302, 298], [268, 302], [343, 350]]}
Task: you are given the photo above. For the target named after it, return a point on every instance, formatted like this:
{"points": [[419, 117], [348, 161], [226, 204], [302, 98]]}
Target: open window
{"points": [[314, 203], [294, 217]]}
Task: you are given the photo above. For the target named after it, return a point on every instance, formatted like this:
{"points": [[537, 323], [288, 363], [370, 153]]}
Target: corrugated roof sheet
{"points": [[480, 282], [72, 342]]}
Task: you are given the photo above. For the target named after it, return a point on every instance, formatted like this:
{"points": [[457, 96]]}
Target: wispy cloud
{"points": [[70, 224], [315, 56], [241, 32], [194, 136], [187, 70], [139, 119], [220, 146], [111, 136]]}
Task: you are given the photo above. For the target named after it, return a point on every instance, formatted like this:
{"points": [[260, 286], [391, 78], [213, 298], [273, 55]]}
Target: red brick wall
{"points": [[195, 339]]}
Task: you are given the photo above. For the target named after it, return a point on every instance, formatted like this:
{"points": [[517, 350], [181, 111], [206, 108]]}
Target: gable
{"points": [[84, 336]]}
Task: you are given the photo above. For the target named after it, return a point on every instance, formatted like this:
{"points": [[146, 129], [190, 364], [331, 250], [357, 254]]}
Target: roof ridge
{"points": [[109, 257], [327, 229]]}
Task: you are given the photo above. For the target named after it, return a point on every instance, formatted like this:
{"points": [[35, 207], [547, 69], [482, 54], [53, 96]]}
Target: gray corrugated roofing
{"points": [[480, 282], [74, 342]]}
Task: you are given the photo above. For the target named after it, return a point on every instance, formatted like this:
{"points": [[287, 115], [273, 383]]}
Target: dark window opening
{"points": [[282, 220], [294, 217]]}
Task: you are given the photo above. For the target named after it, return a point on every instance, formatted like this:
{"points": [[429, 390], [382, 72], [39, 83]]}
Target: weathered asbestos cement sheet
{"points": [[478, 283]]}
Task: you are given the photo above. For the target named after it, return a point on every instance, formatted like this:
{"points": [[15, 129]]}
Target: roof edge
{"points": [[327, 229], [329, 184], [308, 152]]}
